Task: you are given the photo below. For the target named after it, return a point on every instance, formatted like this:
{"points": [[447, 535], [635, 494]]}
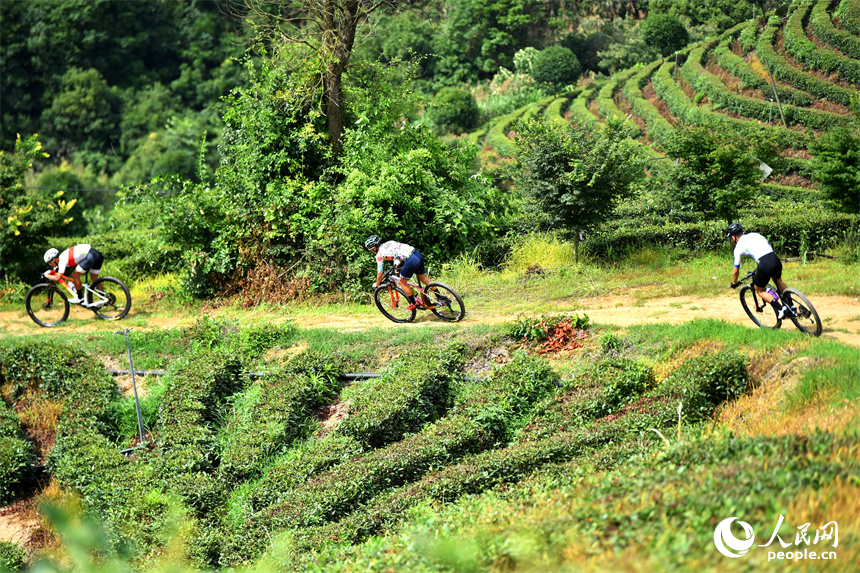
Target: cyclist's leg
{"points": [[413, 265]]}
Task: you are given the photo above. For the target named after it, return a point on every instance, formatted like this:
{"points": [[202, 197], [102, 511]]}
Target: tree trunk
{"points": [[338, 40]]}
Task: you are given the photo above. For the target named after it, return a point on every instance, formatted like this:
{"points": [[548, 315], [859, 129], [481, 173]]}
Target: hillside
{"points": [[468, 426]]}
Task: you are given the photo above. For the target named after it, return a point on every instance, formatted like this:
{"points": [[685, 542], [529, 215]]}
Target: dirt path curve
{"points": [[840, 314]]}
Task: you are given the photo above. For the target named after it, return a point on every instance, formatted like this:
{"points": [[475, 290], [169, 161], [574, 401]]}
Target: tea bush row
{"points": [[804, 51], [16, 454], [784, 71], [485, 415], [740, 68], [415, 389], [579, 110], [721, 97], [606, 101], [658, 127], [680, 105], [849, 16], [703, 378], [267, 417], [788, 232], [555, 111], [823, 28]]}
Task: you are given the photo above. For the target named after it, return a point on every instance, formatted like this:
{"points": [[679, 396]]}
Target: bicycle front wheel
{"points": [[806, 318], [392, 302], [448, 304], [47, 305], [766, 317], [112, 300]]}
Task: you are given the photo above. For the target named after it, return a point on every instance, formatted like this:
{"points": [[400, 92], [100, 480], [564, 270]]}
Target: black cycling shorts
{"points": [[769, 267], [414, 264], [92, 262]]}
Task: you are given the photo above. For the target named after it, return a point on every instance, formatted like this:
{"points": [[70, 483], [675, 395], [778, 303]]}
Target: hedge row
{"points": [[804, 50], [267, 417], [63, 374], [680, 105], [416, 388], [555, 110], [16, 454], [721, 97], [485, 415], [579, 113], [789, 233], [740, 68], [658, 127], [823, 28], [849, 15], [537, 108], [784, 71], [606, 101], [702, 383], [497, 136]]}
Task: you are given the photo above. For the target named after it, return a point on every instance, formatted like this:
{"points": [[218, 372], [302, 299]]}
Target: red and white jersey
{"points": [[70, 258], [392, 250]]}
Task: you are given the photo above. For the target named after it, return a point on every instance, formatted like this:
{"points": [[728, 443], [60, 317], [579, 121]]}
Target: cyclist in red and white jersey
{"points": [[400, 253], [768, 264], [82, 259]]}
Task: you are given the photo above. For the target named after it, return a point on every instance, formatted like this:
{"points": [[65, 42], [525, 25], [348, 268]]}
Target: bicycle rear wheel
{"points": [[448, 304], [806, 319], [766, 317], [392, 302], [118, 298], [47, 305]]}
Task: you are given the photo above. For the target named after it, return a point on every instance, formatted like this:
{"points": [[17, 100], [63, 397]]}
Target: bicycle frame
{"points": [[98, 299], [394, 280]]}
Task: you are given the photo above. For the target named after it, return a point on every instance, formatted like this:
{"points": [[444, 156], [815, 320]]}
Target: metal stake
{"points": [[770, 112], [133, 384], [675, 73]]}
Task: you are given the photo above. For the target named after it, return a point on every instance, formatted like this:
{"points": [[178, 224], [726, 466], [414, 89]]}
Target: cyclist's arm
{"points": [[735, 274], [52, 276], [378, 280]]}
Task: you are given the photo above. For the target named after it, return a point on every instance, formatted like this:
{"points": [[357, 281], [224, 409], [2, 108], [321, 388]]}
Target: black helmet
{"points": [[734, 229], [372, 242]]}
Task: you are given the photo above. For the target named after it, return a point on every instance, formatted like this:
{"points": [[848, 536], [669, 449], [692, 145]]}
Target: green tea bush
{"points": [[664, 32], [704, 382], [12, 556], [267, 417], [192, 408], [65, 374], [16, 454], [414, 389], [453, 111], [805, 51], [485, 414], [822, 26]]}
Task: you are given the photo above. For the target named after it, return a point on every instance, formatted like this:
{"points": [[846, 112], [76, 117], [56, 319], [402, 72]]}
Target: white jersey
{"points": [[72, 257], [752, 245], [392, 250]]}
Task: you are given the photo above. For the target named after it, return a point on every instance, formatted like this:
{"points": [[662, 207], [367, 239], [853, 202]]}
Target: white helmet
{"points": [[50, 254]]}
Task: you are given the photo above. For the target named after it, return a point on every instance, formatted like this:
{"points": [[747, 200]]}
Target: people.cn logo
{"points": [[728, 544]]}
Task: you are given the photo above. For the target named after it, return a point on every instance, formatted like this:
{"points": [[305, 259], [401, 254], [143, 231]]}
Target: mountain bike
{"points": [[440, 299], [48, 305], [800, 310]]}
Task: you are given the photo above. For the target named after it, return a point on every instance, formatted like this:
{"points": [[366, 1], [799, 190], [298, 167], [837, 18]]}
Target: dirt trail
{"points": [[840, 314]]}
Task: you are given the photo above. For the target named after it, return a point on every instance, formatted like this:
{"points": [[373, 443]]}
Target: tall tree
{"points": [[327, 27]]}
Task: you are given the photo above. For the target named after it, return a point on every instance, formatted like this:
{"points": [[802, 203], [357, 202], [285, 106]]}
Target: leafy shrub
{"points": [[267, 417], [414, 389], [836, 166], [664, 32], [556, 66], [537, 329], [704, 382], [454, 111], [12, 556], [64, 374]]}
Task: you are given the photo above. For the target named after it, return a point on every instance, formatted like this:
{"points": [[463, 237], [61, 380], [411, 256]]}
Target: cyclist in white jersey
{"points": [[768, 264], [82, 258], [400, 253]]}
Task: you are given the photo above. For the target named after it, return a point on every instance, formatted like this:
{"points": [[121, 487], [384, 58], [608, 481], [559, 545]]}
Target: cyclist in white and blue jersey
{"points": [[400, 253], [768, 265]]}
